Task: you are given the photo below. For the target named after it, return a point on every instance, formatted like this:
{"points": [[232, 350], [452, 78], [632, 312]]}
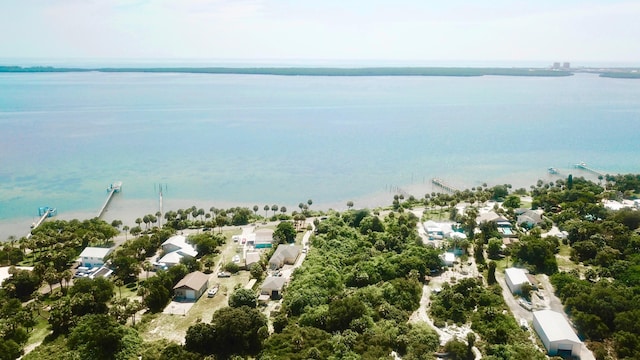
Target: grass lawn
{"points": [[174, 327]]}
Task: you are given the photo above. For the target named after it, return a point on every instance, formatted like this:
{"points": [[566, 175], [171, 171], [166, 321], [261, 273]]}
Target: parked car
{"points": [[236, 259], [212, 292], [224, 274]]}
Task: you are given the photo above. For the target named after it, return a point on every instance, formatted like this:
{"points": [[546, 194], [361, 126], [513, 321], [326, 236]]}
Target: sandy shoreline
{"points": [[128, 210]]}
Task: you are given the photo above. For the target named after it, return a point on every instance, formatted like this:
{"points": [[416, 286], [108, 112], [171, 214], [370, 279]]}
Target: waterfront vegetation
{"points": [[353, 295]]}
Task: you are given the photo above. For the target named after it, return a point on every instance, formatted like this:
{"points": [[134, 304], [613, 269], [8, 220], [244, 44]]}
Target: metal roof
{"points": [[555, 326]]}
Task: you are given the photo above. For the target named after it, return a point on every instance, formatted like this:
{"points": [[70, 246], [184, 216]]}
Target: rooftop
{"points": [[517, 276], [555, 326], [95, 252], [194, 280]]}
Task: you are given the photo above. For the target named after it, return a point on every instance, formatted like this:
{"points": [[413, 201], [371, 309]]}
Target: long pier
{"points": [[441, 184], [583, 166], [44, 212], [111, 190]]}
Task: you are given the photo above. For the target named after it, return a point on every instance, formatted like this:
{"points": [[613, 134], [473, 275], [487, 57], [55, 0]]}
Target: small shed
{"points": [[515, 278], [272, 287], [556, 334], [92, 257], [284, 254], [192, 286]]}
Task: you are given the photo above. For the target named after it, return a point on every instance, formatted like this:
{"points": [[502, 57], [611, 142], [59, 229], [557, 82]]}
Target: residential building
{"points": [[284, 254], [92, 257], [192, 286], [175, 249], [272, 287]]}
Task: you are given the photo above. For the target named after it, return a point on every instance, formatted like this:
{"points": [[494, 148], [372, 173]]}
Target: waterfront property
{"points": [[556, 334], [92, 257]]}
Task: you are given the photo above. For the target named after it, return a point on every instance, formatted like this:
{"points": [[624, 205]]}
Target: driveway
{"points": [[556, 305], [178, 307]]}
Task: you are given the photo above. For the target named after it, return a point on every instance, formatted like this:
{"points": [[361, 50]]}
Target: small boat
{"points": [[552, 170]]}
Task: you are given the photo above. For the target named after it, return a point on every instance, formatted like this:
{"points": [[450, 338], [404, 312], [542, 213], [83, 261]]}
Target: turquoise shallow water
{"points": [[268, 139]]}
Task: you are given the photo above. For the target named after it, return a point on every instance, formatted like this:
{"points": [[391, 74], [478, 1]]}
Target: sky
{"points": [[429, 31]]}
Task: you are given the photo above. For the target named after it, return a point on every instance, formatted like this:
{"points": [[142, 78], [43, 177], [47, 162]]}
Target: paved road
{"points": [[556, 305]]}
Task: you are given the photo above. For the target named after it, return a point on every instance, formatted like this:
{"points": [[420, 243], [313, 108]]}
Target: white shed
{"points": [[556, 334], [515, 278]]}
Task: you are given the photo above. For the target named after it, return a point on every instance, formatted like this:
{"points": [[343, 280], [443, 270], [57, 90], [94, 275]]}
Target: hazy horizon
{"points": [[585, 31]]}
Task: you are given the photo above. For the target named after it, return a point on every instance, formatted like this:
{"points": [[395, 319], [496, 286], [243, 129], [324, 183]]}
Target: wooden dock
{"points": [[111, 190], [444, 186]]}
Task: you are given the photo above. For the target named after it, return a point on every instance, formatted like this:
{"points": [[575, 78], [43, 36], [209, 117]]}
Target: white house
{"points": [[448, 258], [92, 257], [192, 286], [556, 334], [515, 278], [433, 230], [175, 248]]}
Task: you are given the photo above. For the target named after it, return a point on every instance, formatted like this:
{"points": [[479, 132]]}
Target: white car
{"points": [[212, 292], [236, 259]]}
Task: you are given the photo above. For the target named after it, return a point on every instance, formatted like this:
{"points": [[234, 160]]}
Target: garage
{"points": [[556, 334]]}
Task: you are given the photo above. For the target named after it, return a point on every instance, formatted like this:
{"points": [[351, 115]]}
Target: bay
{"points": [[253, 139]]}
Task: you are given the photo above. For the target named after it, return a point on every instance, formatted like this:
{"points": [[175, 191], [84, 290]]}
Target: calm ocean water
{"points": [[266, 139]]}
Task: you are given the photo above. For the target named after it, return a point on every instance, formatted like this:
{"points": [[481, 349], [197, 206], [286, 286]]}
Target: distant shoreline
{"points": [[307, 71], [619, 73]]}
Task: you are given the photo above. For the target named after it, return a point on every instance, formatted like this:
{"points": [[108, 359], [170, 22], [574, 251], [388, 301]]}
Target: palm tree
{"points": [[301, 205], [138, 221], [146, 219], [158, 217], [119, 283], [146, 266], [126, 230], [349, 204], [255, 209], [274, 208], [266, 208], [309, 202], [283, 210]]}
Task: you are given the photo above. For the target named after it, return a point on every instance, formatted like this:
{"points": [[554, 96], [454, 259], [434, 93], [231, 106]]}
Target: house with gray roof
{"points": [[284, 254], [192, 286]]}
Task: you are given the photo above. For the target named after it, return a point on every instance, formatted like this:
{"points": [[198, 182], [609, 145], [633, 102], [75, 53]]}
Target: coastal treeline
{"points": [[312, 71]]}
